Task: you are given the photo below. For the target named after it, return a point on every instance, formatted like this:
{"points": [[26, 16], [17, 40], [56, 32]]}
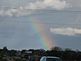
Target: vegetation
{"points": [[28, 55]]}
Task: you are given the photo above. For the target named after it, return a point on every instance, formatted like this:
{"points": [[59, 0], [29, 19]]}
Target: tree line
{"points": [[26, 55]]}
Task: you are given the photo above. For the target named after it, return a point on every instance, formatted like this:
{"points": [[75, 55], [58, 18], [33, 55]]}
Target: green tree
{"points": [[56, 49]]}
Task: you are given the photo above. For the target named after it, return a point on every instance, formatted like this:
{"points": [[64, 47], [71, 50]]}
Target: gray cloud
{"points": [[33, 6]]}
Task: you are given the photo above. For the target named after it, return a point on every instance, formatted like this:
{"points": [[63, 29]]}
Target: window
{"points": [[52, 59]]}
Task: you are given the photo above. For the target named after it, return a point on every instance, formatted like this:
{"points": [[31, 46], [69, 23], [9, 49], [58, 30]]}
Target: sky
{"points": [[35, 24]]}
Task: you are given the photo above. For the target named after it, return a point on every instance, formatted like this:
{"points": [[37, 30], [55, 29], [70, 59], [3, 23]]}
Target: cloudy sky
{"points": [[61, 20]]}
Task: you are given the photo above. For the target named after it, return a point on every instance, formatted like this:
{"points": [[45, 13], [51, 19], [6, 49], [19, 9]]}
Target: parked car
{"points": [[50, 58]]}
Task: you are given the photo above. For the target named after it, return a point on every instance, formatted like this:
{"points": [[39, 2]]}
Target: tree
{"points": [[56, 49], [68, 49], [5, 48]]}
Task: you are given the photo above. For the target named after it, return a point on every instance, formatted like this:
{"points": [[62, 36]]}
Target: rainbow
{"points": [[44, 37]]}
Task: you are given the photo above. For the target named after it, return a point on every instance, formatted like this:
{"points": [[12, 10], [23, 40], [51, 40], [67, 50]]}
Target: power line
{"points": [[43, 12], [57, 10], [51, 23]]}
